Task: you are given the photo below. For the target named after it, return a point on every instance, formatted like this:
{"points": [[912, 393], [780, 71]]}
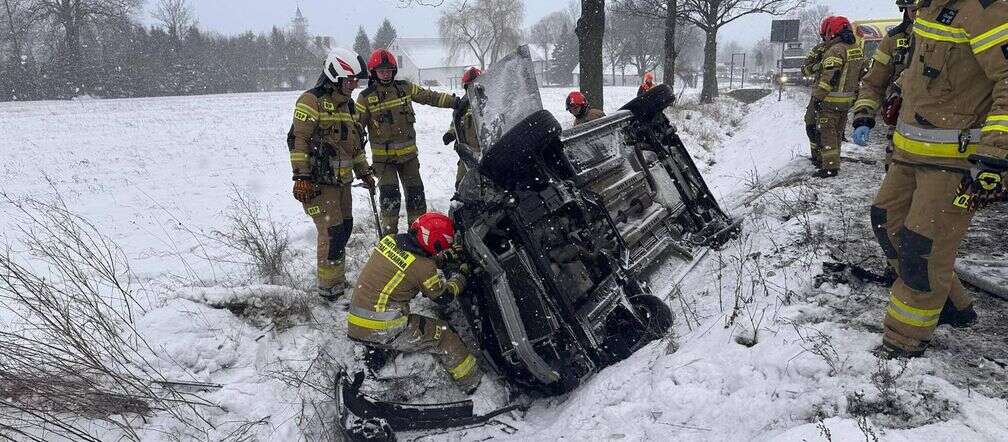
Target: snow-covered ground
{"points": [[759, 352]]}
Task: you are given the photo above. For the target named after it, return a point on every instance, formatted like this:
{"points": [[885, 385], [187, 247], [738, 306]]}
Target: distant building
{"points": [[426, 61]]}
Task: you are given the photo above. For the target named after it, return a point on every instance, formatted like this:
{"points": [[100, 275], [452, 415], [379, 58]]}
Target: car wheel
{"points": [[507, 162], [657, 316], [651, 103]]}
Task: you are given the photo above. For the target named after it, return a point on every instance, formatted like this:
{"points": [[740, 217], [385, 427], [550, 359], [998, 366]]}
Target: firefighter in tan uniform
{"points": [[879, 88], [577, 105], [833, 94], [465, 133], [950, 157], [811, 68], [387, 112], [400, 267], [326, 151]]}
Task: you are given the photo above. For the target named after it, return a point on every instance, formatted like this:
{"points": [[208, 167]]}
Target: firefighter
{"points": [[326, 150], [949, 158], [577, 105], [879, 88], [400, 267], [386, 108], [647, 84], [468, 133], [810, 69], [833, 95]]}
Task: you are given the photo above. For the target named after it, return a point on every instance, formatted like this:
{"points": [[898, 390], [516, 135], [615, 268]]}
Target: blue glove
{"points": [[861, 135]]}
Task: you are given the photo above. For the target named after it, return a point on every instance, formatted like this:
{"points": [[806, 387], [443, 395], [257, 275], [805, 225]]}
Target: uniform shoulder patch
{"points": [[328, 105], [372, 99], [947, 16]]}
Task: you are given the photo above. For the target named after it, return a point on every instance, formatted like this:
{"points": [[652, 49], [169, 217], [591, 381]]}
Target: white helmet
{"points": [[344, 63]]}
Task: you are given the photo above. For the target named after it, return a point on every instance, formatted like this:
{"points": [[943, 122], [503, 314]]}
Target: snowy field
{"points": [[761, 351]]}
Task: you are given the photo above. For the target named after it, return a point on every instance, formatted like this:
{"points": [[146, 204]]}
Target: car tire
{"points": [[657, 315], [646, 106], [507, 162]]}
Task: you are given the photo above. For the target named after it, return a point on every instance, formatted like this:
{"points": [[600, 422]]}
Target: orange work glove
{"points": [[304, 190]]}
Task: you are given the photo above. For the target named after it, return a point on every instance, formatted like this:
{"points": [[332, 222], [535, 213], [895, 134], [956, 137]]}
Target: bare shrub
{"points": [[264, 243], [820, 344], [70, 354]]}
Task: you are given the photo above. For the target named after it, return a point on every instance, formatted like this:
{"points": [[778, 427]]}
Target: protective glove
{"points": [[457, 105], [465, 270], [861, 135], [369, 182], [449, 137], [985, 183], [304, 190]]}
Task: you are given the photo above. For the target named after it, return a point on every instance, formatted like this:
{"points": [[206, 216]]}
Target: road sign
{"points": [[784, 31]]}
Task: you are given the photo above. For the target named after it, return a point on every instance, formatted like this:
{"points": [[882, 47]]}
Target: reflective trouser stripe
{"points": [[842, 98], [431, 282], [372, 324], [912, 316], [464, 368], [866, 103], [390, 149], [373, 315]]}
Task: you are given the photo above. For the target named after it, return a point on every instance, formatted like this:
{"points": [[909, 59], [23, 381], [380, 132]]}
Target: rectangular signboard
{"points": [[784, 31]]}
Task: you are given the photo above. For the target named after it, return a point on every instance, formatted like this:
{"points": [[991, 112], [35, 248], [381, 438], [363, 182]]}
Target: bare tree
{"points": [[548, 31], [176, 16], [72, 16], [487, 28], [711, 15], [763, 53], [614, 44], [639, 50], [590, 32], [809, 19], [670, 15]]}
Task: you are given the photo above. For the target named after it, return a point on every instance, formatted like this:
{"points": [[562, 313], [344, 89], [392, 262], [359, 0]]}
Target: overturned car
{"points": [[561, 227]]}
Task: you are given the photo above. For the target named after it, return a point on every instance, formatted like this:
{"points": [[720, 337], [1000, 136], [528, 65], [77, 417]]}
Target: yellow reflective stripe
{"points": [[995, 128], [339, 116], [327, 272], [866, 103], [454, 288], [431, 282], [940, 32], [912, 316], [882, 57], [842, 100], [392, 104], [832, 62], [938, 150], [464, 368], [298, 156], [855, 53], [307, 109], [376, 325], [360, 107], [387, 247], [382, 152], [825, 86], [990, 39], [386, 292]]}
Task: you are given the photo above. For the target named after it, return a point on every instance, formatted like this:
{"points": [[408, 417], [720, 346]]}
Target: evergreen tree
{"points": [[362, 45], [383, 38]]}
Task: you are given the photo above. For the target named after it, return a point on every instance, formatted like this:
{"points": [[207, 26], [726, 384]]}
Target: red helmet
{"points": [[435, 232], [576, 98], [822, 26], [648, 77], [835, 25], [470, 74], [382, 59]]}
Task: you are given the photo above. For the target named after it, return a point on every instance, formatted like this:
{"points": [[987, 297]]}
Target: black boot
{"points": [[887, 351], [957, 318]]}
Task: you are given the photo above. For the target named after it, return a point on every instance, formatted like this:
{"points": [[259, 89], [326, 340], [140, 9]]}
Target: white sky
{"points": [[340, 18]]}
